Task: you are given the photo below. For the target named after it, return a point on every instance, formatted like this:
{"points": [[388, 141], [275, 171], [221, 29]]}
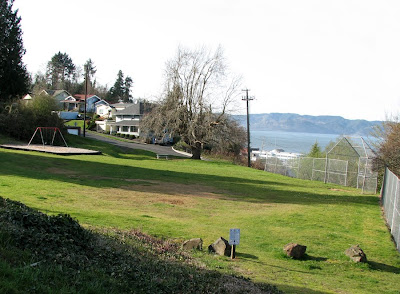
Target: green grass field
{"points": [[181, 199]]}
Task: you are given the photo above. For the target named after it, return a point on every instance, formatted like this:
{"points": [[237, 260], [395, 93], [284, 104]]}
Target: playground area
{"points": [[60, 150], [50, 140]]}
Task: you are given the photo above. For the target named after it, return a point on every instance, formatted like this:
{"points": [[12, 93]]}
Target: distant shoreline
{"points": [[291, 122]]}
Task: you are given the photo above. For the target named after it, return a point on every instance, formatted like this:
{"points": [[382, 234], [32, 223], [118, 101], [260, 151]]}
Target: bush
{"points": [[20, 120]]}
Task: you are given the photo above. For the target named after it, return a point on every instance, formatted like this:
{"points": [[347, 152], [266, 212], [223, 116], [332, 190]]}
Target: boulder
{"points": [[196, 243], [356, 254], [221, 247], [295, 250]]}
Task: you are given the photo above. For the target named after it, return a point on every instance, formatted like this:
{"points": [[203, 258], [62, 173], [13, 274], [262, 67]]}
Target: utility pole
{"points": [[84, 112], [247, 99]]}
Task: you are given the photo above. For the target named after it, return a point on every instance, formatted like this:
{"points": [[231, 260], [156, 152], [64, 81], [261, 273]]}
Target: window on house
{"points": [[118, 128], [134, 129], [125, 129]]}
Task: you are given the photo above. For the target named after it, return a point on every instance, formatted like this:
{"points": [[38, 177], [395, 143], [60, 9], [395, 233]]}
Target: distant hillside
{"points": [[291, 122]]}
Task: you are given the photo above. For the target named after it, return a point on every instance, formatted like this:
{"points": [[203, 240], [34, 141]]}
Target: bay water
{"points": [[290, 141]]}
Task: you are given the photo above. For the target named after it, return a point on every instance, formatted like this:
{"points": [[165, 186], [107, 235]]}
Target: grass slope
{"points": [[54, 254], [183, 199]]}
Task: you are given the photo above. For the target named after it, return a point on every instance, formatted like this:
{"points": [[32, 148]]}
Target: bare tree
{"points": [[388, 146], [197, 96]]}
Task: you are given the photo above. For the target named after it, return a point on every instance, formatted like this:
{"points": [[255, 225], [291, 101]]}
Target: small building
{"points": [[71, 104], [58, 95], [103, 109], [91, 100], [126, 119]]}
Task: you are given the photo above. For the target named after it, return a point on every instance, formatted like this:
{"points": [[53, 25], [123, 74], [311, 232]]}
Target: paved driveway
{"points": [[149, 147]]}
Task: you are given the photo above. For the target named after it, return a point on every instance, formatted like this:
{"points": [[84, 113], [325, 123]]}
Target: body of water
{"points": [[289, 141]]}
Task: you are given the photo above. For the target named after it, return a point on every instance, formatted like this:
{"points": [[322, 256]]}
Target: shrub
{"points": [[20, 120]]}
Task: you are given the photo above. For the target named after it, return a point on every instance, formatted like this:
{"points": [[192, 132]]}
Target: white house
{"points": [[103, 109], [58, 95], [126, 119]]}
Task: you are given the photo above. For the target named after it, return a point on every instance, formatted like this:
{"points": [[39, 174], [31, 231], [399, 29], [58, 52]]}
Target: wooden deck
{"points": [[52, 149]]}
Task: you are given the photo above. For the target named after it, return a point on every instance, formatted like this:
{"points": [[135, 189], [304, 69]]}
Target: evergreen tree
{"points": [[127, 89], [121, 89], [316, 151], [60, 71], [14, 78]]}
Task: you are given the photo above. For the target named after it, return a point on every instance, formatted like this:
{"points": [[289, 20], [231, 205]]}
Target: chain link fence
{"points": [[334, 171], [347, 163], [309, 168], [390, 195]]}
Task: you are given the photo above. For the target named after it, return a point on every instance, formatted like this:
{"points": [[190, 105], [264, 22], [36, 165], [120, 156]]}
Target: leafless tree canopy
{"points": [[198, 94], [389, 146]]}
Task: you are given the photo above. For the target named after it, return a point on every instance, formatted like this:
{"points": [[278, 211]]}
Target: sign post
{"points": [[234, 239]]}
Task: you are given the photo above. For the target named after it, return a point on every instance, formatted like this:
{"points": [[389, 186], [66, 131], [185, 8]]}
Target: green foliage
{"points": [[315, 151], [60, 71], [121, 89], [92, 123], [20, 120], [14, 78]]}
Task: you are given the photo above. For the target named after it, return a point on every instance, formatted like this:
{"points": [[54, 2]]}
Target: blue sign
{"points": [[234, 236]]}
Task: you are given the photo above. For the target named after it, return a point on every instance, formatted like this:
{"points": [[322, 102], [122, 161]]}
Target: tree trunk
{"points": [[196, 151]]}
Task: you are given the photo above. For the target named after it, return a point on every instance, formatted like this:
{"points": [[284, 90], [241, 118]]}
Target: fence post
{"points": [[394, 205], [326, 168]]}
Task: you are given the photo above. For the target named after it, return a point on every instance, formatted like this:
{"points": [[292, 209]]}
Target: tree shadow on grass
{"points": [[383, 267], [246, 255], [313, 258], [36, 166], [296, 289]]}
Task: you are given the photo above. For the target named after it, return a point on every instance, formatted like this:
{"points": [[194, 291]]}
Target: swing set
{"points": [[48, 135]]}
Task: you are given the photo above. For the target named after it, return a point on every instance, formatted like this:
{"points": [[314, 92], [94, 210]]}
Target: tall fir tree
{"points": [[14, 78], [60, 71], [315, 151], [121, 89]]}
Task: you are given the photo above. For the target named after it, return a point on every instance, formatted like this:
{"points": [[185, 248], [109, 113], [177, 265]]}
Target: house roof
{"points": [[27, 97], [82, 96], [125, 123], [54, 92], [104, 102], [133, 109], [121, 105]]}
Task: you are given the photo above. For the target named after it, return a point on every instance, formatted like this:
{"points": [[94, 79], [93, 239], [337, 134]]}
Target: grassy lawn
{"points": [[75, 123], [183, 199]]}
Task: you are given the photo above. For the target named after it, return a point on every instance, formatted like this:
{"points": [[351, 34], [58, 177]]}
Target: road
{"points": [[149, 147]]}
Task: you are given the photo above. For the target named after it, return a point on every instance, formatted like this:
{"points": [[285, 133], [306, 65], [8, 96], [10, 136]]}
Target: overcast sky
{"points": [[339, 57]]}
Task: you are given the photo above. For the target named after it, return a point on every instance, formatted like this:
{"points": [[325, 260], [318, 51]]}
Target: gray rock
{"points": [[295, 250], [221, 247], [196, 243], [356, 254]]}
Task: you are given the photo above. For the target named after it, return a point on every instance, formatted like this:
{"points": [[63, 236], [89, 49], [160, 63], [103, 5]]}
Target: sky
{"points": [[311, 57]]}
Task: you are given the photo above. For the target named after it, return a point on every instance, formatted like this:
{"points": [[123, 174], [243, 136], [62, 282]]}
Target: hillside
{"points": [[130, 196], [54, 254], [291, 122]]}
